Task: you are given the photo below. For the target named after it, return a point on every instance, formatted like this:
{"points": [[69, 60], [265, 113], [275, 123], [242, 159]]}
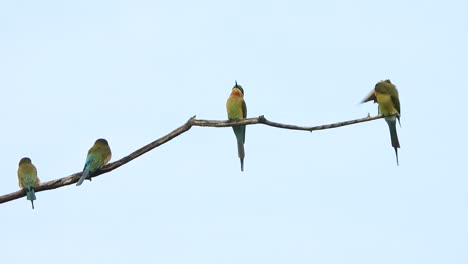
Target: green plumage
{"points": [[391, 121], [386, 95], [98, 155], [389, 98], [237, 110], [27, 178]]}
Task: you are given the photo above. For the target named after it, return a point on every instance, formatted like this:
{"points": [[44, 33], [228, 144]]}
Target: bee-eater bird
{"points": [[98, 155], [27, 177], [386, 95], [237, 110]]}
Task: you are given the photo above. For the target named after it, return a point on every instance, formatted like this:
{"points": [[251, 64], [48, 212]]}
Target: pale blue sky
{"points": [[131, 71]]}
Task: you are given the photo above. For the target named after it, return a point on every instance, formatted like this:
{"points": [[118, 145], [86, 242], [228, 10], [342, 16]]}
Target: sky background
{"points": [[132, 71]]}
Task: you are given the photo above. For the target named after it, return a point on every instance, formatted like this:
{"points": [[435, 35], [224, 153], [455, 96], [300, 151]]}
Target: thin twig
{"points": [[53, 184], [262, 120]]}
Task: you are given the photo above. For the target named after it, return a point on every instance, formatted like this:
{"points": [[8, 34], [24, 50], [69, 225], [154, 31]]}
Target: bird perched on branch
{"points": [[386, 95], [98, 155], [237, 110], [27, 178]]}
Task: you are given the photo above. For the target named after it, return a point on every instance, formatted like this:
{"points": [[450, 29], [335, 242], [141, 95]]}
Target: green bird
{"points": [[386, 95], [27, 178], [237, 110], [98, 155]]}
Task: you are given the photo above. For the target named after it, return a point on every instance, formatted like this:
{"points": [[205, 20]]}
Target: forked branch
{"points": [[53, 184]]}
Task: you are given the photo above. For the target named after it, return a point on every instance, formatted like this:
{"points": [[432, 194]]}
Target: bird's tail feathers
{"points": [[30, 195], [85, 173], [239, 131], [391, 121], [241, 152]]}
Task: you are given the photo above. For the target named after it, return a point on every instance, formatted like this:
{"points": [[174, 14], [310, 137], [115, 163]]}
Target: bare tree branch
{"points": [[53, 184], [262, 120]]}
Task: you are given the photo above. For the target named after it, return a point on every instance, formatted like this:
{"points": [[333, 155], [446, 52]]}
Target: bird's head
{"points": [[237, 86], [25, 160], [384, 85], [101, 141]]}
